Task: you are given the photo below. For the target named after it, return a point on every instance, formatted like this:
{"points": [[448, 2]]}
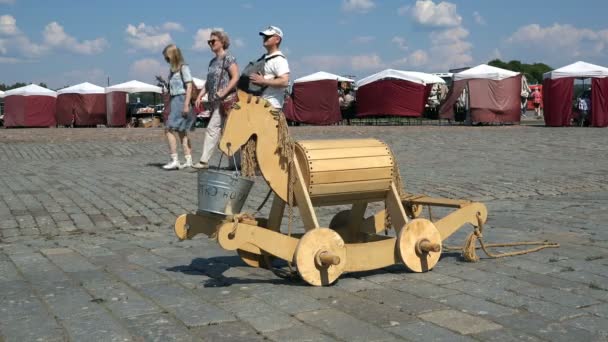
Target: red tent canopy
{"points": [[83, 104], [558, 87], [394, 92], [116, 108], [493, 93], [29, 106], [314, 99]]}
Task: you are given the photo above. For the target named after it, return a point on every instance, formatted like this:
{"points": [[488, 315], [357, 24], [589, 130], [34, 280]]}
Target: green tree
{"points": [[533, 72]]}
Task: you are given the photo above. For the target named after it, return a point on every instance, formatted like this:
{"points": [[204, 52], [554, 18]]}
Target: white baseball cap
{"points": [[271, 31]]}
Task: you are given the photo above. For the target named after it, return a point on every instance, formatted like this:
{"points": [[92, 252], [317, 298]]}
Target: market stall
{"points": [[314, 99], [81, 105], [394, 92], [117, 99], [558, 88], [493, 95], [29, 106]]}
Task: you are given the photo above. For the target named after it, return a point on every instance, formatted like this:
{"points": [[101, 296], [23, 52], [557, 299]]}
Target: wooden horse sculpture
{"points": [[324, 173]]}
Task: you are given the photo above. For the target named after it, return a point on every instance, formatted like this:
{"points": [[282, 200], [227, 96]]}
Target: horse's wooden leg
{"points": [[307, 211], [276, 213], [395, 209]]}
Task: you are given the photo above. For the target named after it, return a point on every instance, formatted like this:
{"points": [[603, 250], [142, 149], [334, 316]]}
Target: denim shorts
{"points": [[176, 121]]}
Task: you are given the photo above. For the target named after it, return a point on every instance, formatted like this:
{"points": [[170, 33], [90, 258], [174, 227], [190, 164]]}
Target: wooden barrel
{"points": [[341, 169]]}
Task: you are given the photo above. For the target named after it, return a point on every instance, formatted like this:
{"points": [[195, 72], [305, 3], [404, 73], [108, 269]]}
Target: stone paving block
{"points": [[37, 268], [300, 333], [261, 316], [67, 301], [560, 297], [434, 278], [37, 326], [381, 315], [476, 306], [229, 331], [343, 326], [289, 299], [599, 310], [99, 326], [8, 272], [401, 300], [596, 325], [424, 331], [68, 260], [186, 306], [132, 274], [355, 284], [421, 289], [585, 278], [158, 327], [544, 329], [506, 335], [460, 322]]}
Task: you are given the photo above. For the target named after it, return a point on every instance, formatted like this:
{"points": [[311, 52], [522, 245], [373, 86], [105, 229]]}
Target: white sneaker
{"points": [[188, 163], [172, 165]]}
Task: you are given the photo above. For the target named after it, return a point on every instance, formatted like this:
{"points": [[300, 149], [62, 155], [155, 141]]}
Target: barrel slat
{"points": [[344, 143], [349, 164], [340, 153], [351, 175], [350, 187]]}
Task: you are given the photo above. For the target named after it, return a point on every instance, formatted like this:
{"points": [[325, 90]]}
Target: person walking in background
{"points": [[222, 77], [536, 99], [583, 109], [275, 78], [180, 119]]}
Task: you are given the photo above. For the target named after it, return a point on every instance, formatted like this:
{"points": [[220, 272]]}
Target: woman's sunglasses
{"points": [[211, 41]]}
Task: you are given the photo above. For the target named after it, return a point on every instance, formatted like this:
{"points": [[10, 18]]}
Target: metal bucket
{"points": [[221, 192]]}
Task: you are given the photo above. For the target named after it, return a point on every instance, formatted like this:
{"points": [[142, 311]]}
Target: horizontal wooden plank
{"points": [[350, 187], [353, 152], [349, 164], [348, 198], [337, 143], [351, 175]]}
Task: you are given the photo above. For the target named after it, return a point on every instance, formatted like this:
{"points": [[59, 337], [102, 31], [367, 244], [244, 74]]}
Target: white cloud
{"points": [[55, 36], [3, 49], [202, 36], [559, 43], [146, 69], [443, 14], [478, 18], [366, 62], [361, 6], [449, 48], [400, 43], [148, 38], [418, 58], [172, 26], [7, 2], [29, 49], [10, 60], [363, 39], [8, 25]]}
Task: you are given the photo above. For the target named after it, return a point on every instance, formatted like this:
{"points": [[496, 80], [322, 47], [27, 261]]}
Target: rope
{"points": [[470, 245]]}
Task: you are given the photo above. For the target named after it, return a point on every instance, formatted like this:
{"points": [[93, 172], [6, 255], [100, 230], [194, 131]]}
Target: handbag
{"points": [[227, 103]]}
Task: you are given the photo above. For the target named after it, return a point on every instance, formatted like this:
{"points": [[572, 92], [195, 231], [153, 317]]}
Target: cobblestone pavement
{"points": [[87, 251]]}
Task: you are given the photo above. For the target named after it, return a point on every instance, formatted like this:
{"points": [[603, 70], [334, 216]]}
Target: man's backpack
{"points": [[254, 67]]}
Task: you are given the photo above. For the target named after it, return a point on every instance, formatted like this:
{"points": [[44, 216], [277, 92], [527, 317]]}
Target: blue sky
{"points": [[64, 42]]}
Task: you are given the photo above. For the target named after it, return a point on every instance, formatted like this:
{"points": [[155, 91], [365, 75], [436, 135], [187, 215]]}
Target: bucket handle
{"points": [[236, 167]]}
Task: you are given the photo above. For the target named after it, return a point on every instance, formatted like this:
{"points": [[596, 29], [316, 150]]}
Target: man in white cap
{"points": [[275, 78]]}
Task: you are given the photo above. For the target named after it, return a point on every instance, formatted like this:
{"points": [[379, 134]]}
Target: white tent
{"points": [[1, 94], [411, 76], [198, 83], [82, 88], [31, 90], [134, 87], [486, 72], [322, 75], [579, 70]]}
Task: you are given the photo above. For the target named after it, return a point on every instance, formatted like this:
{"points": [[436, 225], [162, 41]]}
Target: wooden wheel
{"points": [[320, 256], [340, 220], [419, 245], [412, 210], [180, 227]]}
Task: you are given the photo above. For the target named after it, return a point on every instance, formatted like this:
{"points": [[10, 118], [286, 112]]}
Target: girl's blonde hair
{"points": [[223, 37], [174, 54]]}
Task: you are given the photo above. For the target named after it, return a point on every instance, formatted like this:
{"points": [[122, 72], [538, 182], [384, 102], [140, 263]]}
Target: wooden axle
{"points": [[325, 259], [426, 246]]}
